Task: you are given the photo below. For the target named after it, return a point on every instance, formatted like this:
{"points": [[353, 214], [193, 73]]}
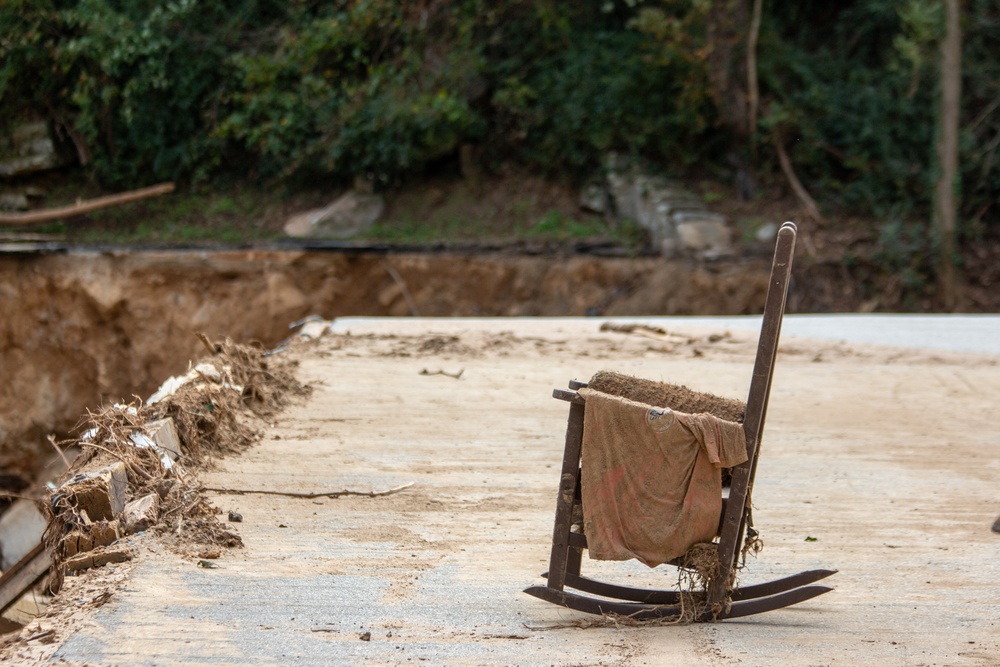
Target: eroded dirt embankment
{"points": [[80, 330]]}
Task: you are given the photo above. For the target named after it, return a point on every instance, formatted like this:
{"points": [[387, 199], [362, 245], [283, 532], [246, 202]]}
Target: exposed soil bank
{"points": [[87, 328]]}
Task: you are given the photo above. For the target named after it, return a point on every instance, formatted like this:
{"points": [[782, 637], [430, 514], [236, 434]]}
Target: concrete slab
{"points": [[956, 333], [21, 528], [887, 458]]}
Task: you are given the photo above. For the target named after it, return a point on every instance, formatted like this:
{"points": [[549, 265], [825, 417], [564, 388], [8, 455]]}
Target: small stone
{"points": [[235, 517], [366, 636], [163, 487]]}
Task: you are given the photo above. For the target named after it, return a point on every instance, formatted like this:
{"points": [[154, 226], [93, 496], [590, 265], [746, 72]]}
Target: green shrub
{"points": [[150, 90]]}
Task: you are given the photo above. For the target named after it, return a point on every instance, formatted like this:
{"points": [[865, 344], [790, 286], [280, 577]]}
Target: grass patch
{"points": [[507, 209], [238, 216]]}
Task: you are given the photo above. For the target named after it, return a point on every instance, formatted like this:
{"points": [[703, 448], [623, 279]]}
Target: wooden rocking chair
{"points": [[719, 600]]}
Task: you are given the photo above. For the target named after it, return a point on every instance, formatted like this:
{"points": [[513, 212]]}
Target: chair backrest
{"points": [[735, 516]]}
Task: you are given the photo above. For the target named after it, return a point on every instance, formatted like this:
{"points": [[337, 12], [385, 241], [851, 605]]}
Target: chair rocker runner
{"points": [[720, 600]]}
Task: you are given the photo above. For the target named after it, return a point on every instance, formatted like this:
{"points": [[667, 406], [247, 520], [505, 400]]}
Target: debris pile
{"points": [[135, 472]]}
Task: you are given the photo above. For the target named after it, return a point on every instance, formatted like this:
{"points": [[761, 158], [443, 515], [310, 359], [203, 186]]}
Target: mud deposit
{"points": [[82, 329]]}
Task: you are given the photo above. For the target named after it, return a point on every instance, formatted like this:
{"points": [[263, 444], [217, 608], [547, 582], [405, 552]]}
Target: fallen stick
{"points": [[457, 375], [318, 494], [633, 328], [80, 208]]}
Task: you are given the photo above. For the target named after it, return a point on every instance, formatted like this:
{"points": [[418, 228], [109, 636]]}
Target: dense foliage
{"points": [[297, 90]]}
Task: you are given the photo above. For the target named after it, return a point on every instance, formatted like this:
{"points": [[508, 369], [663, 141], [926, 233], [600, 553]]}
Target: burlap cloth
{"points": [[651, 477]]}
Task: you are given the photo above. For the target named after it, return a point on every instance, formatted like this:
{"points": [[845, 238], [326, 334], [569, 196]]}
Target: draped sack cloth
{"points": [[651, 480]]}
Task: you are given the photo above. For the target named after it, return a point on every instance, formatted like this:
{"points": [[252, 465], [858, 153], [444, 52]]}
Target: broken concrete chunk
{"points": [[594, 197], [98, 558], [164, 434], [704, 232], [142, 513], [101, 494], [21, 528], [203, 372], [26, 148], [13, 201], [100, 534], [314, 329], [104, 533]]}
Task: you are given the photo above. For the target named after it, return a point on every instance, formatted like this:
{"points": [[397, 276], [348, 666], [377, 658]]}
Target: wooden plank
{"points": [[564, 505], [568, 396], [24, 574]]}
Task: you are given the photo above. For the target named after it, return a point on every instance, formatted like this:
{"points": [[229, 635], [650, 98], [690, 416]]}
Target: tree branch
{"points": [[318, 494], [80, 208], [812, 210]]}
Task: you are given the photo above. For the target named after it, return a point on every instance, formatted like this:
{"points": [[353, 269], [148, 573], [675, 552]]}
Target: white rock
{"points": [[347, 216], [706, 236], [164, 434], [766, 233]]}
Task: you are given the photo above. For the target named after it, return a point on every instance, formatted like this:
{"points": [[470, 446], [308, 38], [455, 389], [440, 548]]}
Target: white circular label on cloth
{"points": [[660, 419]]}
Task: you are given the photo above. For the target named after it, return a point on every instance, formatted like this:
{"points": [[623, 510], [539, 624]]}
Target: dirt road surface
{"points": [[879, 462]]}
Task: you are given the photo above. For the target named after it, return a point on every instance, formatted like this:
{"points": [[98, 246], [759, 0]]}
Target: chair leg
{"points": [[574, 562], [562, 559]]}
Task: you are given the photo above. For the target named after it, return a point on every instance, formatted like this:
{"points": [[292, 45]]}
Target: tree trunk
{"points": [[946, 199], [728, 31], [753, 89], [728, 28]]}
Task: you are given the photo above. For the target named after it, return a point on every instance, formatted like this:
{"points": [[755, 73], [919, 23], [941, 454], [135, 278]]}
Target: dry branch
{"points": [[82, 207], [318, 494], [812, 210], [457, 375]]}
